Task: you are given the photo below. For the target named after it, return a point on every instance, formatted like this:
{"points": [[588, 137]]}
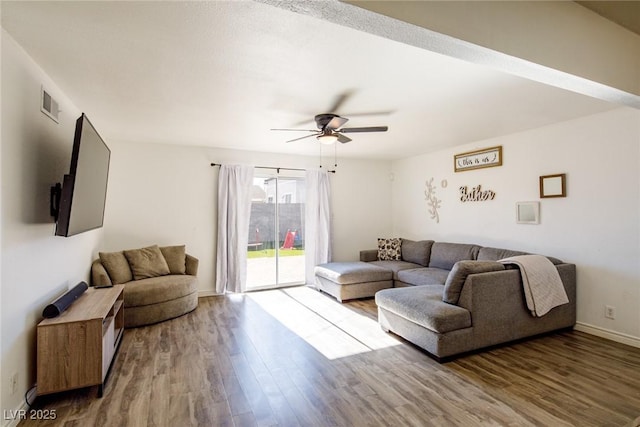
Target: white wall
{"points": [[36, 266], [167, 194], [597, 226]]}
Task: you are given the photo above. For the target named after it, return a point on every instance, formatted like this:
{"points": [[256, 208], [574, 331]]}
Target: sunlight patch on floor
{"points": [[328, 326]]}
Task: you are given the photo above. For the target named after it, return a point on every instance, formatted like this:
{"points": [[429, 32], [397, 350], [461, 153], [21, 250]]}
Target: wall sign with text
{"points": [[476, 194], [486, 158]]}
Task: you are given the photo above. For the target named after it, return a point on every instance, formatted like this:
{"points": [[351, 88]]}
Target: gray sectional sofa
{"points": [[453, 298]]}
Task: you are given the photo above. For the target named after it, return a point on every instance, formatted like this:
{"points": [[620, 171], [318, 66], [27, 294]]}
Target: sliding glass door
{"points": [[275, 253]]}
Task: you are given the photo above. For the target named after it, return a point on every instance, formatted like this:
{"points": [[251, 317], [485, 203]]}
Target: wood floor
{"points": [[296, 357]]}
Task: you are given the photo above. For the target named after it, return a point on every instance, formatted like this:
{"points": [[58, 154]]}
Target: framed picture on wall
{"points": [[528, 212], [553, 185]]}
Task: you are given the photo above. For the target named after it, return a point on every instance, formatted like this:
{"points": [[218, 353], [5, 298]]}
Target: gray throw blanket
{"points": [[543, 288]]}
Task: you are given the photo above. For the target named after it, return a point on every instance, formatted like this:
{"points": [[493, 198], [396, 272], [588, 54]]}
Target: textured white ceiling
{"points": [[222, 74]]}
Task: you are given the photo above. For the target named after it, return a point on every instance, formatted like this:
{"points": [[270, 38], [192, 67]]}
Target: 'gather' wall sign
{"points": [[476, 194]]}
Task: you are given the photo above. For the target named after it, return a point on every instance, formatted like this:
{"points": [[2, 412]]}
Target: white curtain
{"points": [[234, 209], [317, 236]]}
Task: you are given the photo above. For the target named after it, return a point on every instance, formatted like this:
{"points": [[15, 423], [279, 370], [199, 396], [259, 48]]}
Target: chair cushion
{"points": [[457, 277], [423, 305], [389, 249], [117, 267], [158, 289], [445, 255], [146, 262], [423, 276], [175, 256], [416, 252]]}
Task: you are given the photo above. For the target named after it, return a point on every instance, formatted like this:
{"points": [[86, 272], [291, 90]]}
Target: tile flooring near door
{"points": [[295, 357]]}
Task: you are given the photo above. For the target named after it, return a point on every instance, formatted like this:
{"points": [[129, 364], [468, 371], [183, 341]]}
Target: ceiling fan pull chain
{"points": [[335, 156]]}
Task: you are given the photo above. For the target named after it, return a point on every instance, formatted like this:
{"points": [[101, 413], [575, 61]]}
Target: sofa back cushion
{"points": [[147, 262], [416, 252], [175, 257], [368, 255], [494, 254], [458, 275], [445, 255], [117, 267]]}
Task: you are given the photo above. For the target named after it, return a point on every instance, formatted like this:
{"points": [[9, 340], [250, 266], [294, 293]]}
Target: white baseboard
{"points": [[608, 334], [21, 412]]}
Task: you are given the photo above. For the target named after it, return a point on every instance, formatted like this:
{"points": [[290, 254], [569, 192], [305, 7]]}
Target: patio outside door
{"points": [[275, 253]]}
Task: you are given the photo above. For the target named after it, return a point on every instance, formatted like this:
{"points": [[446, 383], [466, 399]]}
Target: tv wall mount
{"points": [[54, 200]]}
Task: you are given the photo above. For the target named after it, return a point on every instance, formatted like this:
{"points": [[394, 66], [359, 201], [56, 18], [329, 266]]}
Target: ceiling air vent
{"points": [[49, 106]]}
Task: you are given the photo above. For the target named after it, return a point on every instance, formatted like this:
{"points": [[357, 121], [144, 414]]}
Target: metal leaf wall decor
{"points": [[432, 201]]}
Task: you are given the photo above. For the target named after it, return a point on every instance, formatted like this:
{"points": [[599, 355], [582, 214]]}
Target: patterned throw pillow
{"points": [[389, 249]]}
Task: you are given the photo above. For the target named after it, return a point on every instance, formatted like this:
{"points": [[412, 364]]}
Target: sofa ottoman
{"points": [[352, 280]]}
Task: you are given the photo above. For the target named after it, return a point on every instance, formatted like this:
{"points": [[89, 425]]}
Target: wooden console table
{"points": [[77, 348]]}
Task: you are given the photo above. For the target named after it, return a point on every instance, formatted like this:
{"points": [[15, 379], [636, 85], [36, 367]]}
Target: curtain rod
{"points": [[274, 168]]}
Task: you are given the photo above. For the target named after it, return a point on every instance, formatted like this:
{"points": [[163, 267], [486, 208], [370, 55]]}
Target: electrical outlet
{"points": [[14, 383], [609, 312]]}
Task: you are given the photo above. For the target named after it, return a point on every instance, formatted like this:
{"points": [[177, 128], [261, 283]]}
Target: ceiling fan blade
{"points": [[340, 99], [296, 130], [304, 122], [302, 137], [367, 129], [342, 138], [336, 122], [370, 113]]}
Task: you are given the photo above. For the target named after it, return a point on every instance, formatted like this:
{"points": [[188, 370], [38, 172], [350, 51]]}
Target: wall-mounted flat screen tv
{"points": [[84, 189]]}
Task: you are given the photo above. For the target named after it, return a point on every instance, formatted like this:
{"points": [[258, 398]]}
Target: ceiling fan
{"points": [[330, 124], [330, 129]]}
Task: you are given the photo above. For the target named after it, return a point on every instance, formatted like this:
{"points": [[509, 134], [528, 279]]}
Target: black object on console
{"points": [[61, 304]]}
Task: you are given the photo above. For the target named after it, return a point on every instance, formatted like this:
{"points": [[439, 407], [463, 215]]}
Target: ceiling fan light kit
{"points": [[327, 138]]}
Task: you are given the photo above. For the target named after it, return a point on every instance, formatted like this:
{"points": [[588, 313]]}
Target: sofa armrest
{"points": [[191, 265], [99, 275], [369, 255], [487, 291], [481, 287], [499, 310]]}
